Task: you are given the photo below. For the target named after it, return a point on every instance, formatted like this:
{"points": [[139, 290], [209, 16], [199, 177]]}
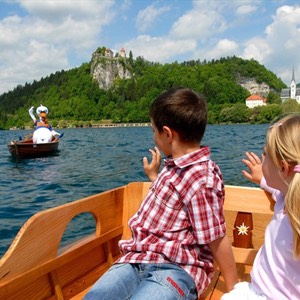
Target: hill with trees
{"points": [[74, 97]]}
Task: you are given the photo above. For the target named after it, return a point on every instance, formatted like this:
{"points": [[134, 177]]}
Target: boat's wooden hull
{"points": [[35, 268], [27, 149]]}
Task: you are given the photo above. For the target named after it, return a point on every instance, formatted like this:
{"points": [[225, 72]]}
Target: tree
{"points": [[130, 58], [273, 98], [265, 114], [237, 113], [290, 105]]}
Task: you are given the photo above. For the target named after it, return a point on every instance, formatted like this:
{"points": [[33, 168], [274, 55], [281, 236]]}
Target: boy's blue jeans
{"points": [[144, 282]]}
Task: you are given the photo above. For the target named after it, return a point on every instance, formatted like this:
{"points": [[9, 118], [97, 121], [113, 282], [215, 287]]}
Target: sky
{"points": [[40, 37]]}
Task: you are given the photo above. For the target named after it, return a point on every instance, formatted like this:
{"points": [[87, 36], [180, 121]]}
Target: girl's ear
{"points": [[286, 169]]}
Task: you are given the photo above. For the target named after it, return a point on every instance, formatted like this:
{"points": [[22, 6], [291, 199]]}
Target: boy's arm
{"points": [[223, 255], [151, 169]]}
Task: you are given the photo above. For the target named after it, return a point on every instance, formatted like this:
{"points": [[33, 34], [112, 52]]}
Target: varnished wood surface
{"points": [[34, 268]]}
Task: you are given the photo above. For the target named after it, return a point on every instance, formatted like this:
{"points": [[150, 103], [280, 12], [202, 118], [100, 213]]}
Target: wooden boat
{"points": [[27, 149], [35, 268]]}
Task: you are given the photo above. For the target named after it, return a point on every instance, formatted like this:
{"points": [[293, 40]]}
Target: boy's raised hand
{"points": [[151, 169], [254, 164]]}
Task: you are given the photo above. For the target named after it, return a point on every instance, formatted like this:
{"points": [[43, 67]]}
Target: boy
{"points": [[179, 226]]}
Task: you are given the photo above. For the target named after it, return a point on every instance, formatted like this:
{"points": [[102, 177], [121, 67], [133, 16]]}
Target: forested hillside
{"points": [[74, 99]]}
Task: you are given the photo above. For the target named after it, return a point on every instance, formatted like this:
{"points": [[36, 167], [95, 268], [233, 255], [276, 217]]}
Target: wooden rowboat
{"points": [[35, 268], [27, 149]]}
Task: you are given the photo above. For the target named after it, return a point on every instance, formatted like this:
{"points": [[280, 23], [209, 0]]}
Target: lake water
{"points": [[92, 160]]}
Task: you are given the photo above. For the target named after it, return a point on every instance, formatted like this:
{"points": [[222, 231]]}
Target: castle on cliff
{"points": [[110, 54]]}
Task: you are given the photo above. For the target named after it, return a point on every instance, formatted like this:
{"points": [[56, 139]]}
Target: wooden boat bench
{"points": [[34, 267]]}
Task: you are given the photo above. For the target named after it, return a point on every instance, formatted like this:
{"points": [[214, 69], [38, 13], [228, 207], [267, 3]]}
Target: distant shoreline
{"points": [[120, 125], [114, 125], [104, 125]]}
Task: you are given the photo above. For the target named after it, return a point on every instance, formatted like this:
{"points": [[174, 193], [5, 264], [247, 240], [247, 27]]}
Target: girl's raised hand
{"points": [[254, 164]]}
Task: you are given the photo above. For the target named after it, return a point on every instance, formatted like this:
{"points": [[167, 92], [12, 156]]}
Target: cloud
{"points": [[198, 24], [245, 10], [147, 17], [160, 49], [41, 40], [258, 49], [34, 62], [55, 11], [201, 31], [9, 33], [224, 48], [279, 46], [285, 24]]}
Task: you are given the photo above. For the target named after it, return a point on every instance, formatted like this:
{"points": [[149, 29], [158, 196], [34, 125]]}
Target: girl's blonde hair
{"points": [[283, 143]]}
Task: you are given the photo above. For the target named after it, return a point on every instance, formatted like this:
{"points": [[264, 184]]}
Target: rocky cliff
{"points": [[106, 69], [254, 87]]}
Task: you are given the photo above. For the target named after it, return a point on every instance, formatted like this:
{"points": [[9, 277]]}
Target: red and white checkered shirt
{"points": [[181, 214]]}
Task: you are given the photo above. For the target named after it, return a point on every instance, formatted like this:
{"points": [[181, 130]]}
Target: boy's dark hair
{"points": [[183, 111]]}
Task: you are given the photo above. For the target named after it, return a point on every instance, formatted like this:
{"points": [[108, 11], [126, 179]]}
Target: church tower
{"points": [[293, 86]]}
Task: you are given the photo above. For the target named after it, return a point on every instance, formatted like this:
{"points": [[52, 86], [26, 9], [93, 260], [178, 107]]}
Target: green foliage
{"points": [[265, 114], [290, 106], [237, 113], [75, 99], [273, 98]]}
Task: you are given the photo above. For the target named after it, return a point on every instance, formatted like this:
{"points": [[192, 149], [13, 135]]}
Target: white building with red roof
{"points": [[256, 100]]}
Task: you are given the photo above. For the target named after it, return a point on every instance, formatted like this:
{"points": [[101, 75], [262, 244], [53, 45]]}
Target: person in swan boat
{"points": [[43, 132]]}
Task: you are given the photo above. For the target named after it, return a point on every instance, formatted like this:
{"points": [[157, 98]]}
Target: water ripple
{"points": [[92, 160]]}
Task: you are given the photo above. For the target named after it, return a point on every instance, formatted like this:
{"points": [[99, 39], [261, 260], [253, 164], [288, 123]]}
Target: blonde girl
{"points": [[276, 269]]}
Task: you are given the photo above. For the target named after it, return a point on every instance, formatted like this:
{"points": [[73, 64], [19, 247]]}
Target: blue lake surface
{"points": [[92, 160]]}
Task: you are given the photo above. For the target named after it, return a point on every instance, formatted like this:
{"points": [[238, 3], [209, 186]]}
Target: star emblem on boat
{"points": [[242, 229]]}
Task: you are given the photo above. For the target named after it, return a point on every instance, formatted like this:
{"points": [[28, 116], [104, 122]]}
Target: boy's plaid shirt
{"points": [[181, 214]]}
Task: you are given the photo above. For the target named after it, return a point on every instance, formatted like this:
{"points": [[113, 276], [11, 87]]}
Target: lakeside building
{"points": [[255, 100], [292, 92]]}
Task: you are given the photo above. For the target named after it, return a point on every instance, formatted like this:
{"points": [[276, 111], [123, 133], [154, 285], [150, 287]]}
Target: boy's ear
{"points": [[167, 130]]}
